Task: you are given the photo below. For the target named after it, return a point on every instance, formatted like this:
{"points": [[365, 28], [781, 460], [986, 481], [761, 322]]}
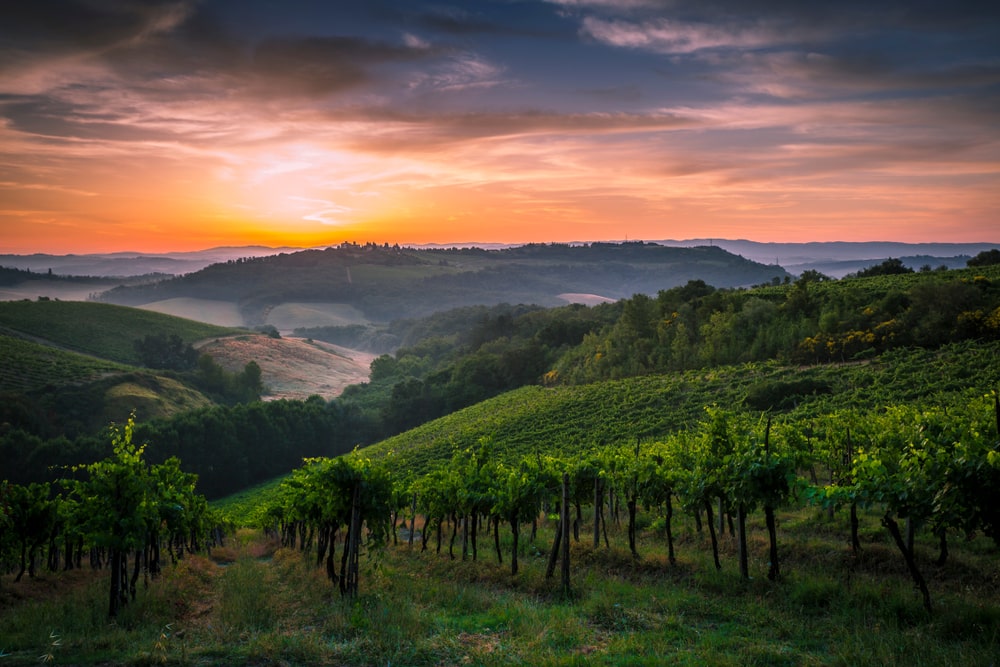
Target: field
{"points": [[219, 313], [28, 366], [97, 329], [252, 602], [290, 316], [907, 435], [292, 367], [567, 420]]}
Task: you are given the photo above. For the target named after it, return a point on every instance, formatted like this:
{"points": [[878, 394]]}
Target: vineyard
{"points": [[570, 420], [97, 329], [28, 366], [752, 513]]}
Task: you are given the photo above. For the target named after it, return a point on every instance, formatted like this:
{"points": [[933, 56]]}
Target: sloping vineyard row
{"points": [[934, 469]]}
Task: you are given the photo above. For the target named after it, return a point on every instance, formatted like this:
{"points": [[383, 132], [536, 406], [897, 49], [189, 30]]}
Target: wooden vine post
{"points": [[353, 546], [564, 526], [597, 511], [773, 570]]}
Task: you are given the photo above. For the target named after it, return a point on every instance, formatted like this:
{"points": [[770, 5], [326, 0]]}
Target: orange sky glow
{"points": [[185, 126]]}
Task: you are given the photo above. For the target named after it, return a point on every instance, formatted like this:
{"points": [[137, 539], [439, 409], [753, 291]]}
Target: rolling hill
{"points": [[382, 283], [292, 368], [76, 363], [569, 420]]}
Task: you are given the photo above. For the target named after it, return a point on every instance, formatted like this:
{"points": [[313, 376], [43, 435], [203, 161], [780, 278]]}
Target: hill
{"points": [[102, 330], [71, 368], [385, 283], [292, 368], [838, 258], [568, 421]]}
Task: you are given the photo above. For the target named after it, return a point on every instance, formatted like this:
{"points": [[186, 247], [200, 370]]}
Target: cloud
{"points": [[395, 131], [688, 26], [666, 36], [459, 73], [329, 213]]}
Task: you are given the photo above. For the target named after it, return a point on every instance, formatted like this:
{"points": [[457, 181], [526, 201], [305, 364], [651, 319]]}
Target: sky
{"points": [[175, 125]]}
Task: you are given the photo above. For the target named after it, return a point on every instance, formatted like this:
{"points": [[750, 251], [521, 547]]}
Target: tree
{"points": [[898, 472], [32, 514], [759, 472], [162, 351], [889, 267], [116, 506], [351, 492], [518, 494], [985, 258]]}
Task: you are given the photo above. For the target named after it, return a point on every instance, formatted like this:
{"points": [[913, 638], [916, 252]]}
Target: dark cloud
{"points": [[322, 65], [407, 132], [508, 21], [34, 32], [55, 119], [65, 25]]}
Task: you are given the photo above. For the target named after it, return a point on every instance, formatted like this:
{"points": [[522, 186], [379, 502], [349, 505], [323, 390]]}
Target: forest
{"points": [[654, 438], [388, 282]]}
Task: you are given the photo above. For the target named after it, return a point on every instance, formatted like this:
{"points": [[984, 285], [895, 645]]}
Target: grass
{"points": [[98, 329], [28, 366], [253, 603]]}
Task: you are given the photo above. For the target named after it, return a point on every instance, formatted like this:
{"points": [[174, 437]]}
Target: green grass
{"points": [[275, 607], [98, 329], [27, 366]]}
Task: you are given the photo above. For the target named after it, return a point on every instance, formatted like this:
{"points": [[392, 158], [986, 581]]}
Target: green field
{"points": [[27, 366], [98, 329], [252, 603], [294, 315], [219, 313]]}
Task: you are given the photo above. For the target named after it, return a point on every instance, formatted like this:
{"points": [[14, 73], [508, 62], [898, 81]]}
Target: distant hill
{"points": [[796, 257], [838, 258], [122, 264], [385, 283]]}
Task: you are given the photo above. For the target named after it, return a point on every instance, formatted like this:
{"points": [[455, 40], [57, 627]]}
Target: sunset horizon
{"points": [[178, 126]]}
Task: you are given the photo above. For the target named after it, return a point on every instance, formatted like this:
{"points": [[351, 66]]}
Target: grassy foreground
{"points": [[252, 603]]}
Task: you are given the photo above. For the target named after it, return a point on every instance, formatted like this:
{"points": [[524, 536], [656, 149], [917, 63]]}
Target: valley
{"points": [[667, 452]]}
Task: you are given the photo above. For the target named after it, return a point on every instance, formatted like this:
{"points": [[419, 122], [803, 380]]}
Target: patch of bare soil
{"points": [[585, 299], [292, 368]]}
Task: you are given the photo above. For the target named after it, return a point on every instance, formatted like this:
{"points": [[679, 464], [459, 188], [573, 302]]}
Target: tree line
{"points": [[228, 447], [812, 320]]}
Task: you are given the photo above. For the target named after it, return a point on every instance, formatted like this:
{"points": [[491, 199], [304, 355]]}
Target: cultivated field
{"points": [[292, 367]]}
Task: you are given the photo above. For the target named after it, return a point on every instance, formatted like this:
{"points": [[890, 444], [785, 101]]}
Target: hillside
{"points": [[72, 367], [102, 330], [384, 283], [290, 367], [567, 421]]}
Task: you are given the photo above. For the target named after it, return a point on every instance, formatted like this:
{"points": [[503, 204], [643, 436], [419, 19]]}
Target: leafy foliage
{"points": [[985, 258], [114, 507]]}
